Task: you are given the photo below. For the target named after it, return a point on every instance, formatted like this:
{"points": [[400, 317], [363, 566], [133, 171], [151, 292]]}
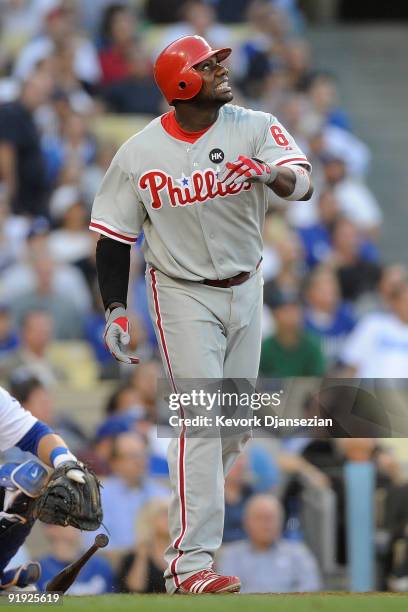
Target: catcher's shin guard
{"points": [[21, 576]]}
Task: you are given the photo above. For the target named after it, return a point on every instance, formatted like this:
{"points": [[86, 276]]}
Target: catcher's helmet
{"points": [[174, 68]]}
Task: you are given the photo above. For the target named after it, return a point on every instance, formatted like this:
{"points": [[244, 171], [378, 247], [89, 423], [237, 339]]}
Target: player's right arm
{"points": [[118, 216], [112, 265]]}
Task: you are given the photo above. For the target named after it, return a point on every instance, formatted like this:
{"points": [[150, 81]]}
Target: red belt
{"points": [[230, 282]]}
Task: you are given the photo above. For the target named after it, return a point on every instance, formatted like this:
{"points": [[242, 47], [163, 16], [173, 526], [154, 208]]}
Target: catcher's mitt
{"points": [[69, 500]]}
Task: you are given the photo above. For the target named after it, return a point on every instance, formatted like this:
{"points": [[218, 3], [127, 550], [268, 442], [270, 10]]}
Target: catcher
{"points": [[56, 489]]}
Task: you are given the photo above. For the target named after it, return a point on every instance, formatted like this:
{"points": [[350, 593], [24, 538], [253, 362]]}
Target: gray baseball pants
{"points": [[203, 332]]}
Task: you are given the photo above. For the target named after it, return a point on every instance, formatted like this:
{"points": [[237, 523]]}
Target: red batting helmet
{"points": [[174, 68]]}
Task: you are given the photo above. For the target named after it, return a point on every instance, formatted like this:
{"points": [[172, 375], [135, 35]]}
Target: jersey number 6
{"points": [[278, 136]]}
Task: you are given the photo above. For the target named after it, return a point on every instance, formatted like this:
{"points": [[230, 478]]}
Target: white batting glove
{"points": [[248, 169], [117, 335]]}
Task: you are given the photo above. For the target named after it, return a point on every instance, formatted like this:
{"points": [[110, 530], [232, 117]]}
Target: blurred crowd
{"points": [[277, 495], [75, 80]]}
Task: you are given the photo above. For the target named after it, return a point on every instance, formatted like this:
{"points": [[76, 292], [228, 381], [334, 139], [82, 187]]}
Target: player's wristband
{"points": [[302, 184], [273, 174], [60, 455]]}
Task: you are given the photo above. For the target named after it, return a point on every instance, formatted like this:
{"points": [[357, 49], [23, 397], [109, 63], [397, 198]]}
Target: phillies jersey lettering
{"points": [[194, 226], [199, 187]]}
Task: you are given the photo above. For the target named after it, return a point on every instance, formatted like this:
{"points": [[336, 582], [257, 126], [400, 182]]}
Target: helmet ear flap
{"points": [[189, 84]]}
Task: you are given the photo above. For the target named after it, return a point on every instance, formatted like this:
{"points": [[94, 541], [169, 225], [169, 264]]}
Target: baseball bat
{"points": [[63, 580]]}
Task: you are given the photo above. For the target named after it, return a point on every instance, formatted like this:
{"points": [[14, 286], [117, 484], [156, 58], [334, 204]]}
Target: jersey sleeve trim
{"points": [[15, 421], [30, 441], [282, 161], [111, 232]]}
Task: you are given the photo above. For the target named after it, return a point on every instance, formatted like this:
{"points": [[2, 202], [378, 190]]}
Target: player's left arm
{"points": [[278, 163]]}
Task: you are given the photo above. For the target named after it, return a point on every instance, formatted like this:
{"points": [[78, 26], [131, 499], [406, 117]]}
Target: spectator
{"points": [[35, 340], [138, 342], [94, 327], [393, 533], [357, 276], [32, 395], [9, 339], [141, 571], [91, 15], [37, 399], [21, 277], [323, 98], [138, 296], [298, 57], [283, 256], [159, 13], [93, 174], [231, 13], [238, 490], [59, 26], [316, 237], [264, 466], [378, 347], [95, 578], [13, 230], [138, 92], [392, 277], [118, 37], [326, 315], [197, 17], [129, 484], [356, 201], [259, 59], [68, 146], [124, 400], [128, 85], [265, 562], [66, 81], [20, 20], [77, 142], [100, 453], [22, 165], [144, 380], [71, 242], [290, 351], [133, 407], [66, 318]]}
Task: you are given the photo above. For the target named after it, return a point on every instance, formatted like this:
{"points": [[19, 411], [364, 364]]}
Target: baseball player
{"points": [[27, 490], [196, 181]]}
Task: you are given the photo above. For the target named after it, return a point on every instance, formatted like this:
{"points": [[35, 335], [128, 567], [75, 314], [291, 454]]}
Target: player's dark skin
{"points": [[202, 111]]}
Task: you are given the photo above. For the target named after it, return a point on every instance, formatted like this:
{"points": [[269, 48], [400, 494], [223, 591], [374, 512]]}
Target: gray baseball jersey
{"points": [[196, 228]]}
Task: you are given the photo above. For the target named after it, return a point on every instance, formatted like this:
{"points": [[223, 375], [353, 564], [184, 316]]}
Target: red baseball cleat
{"points": [[207, 581]]}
